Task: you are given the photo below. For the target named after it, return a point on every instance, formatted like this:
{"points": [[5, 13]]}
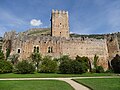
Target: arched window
{"points": [[34, 49], [50, 49], [37, 49]]}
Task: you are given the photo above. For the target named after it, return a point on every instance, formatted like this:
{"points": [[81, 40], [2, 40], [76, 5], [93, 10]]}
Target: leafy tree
{"points": [[85, 62], [65, 66], [79, 65], [116, 64], [5, 66], [76, 67], [7, 53], [13, 58], [48, 65], [99, 69], [64, 58], [95, 61], [2, 57], [24, 67], [36, 58]]}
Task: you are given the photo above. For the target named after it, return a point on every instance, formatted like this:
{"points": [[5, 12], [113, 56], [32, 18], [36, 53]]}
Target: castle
{"points": [[59, 42]]}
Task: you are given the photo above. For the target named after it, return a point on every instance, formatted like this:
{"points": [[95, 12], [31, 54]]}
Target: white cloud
{"points": [[35, 22]]}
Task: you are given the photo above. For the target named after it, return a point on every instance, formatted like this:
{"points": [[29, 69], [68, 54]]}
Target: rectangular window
{"points": [[18, 50]]}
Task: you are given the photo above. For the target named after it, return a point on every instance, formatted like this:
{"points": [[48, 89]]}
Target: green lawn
{"points": [[101, 83], [52, 75], [35, 85]]}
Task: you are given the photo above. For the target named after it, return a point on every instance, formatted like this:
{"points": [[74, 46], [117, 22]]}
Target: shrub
{"points": [[65, 66], [99, 69], [36, 58], [24, 67], [116, 64], [78, 66], [48, 65], [85, 63], [5, 66], [109, 71], [1, 55]]}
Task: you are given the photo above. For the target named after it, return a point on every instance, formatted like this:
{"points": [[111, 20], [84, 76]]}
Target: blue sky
{"points": [[85, 16]]}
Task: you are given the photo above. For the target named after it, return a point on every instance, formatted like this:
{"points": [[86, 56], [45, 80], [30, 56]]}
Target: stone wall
{"points": [[113, 46]]}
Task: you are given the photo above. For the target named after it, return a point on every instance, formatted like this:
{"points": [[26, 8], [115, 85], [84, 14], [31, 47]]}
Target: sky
{"points": [[85, 16]]}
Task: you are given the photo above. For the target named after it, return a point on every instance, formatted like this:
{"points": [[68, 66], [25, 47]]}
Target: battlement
{"points": [[59, 12]]}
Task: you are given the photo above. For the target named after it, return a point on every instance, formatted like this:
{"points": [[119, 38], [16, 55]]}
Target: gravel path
{"points": [[74, 84]]}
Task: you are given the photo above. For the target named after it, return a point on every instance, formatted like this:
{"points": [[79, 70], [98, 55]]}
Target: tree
{"points": [[95, 61], [97, 69], [77, 66], [7, 53], [13, 58], [85, 62], [2, 57], [48, 65], [36, 58], [116, 64], [65, 66], [24, 67], [5, 66]]}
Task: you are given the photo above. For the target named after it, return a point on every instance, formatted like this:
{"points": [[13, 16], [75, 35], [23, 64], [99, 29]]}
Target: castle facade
{"points": [[59, 42]]}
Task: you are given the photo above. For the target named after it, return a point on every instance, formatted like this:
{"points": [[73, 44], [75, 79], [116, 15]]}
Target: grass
{"points": [[35, 85], [101, 83], [52, 75]]}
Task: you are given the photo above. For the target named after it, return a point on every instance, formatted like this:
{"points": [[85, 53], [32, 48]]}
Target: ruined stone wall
{"points": [[27, 44], [113, 46], [60, 46], [88, 48]]}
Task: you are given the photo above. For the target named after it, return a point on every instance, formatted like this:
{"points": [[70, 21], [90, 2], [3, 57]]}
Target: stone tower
{"points": [[59, 24], [112, 44]]}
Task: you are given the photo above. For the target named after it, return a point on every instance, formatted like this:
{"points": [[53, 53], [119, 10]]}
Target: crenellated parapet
{"points": [[59, 12]]}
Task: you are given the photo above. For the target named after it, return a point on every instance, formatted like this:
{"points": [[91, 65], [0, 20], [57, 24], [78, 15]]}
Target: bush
{"points": [[109, 71], [5, 66], [116, 64], [24, 67], [78, 66], [99, 69], [65, 66], [48, 65]]}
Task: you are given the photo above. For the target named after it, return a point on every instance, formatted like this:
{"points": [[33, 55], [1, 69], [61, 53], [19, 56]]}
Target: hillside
{"points": [[97, 36], [38, 31]]}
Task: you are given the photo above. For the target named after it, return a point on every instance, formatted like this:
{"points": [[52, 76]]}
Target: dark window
{"points": [[37, 49], [18, 50], [34, 49], [49, 50]]}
